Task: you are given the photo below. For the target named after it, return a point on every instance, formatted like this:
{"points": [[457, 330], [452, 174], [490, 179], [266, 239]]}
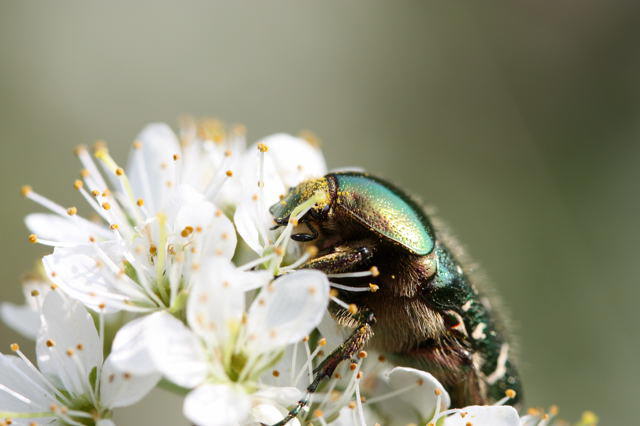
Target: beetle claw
{"points": [[303, 238]]}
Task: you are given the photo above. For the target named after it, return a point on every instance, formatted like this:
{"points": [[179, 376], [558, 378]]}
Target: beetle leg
{"points": [[344, 258], [347, 350]]}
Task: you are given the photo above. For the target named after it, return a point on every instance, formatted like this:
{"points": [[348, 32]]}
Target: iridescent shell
{"points": [[384, 209]]}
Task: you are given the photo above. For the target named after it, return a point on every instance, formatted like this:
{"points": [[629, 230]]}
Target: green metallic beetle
{"points": [[424, 313]]}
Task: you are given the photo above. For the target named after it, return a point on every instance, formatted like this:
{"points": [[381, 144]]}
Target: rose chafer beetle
{"points": [[424, 312]]}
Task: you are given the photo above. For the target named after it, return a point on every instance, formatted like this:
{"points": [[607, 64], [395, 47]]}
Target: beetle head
{"points": [[311, 195]]}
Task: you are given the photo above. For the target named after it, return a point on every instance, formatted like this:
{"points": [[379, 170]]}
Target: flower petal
{"points": [[252, 220], [182, 358], [21, 318], [118, 389], [269, 414], [21, 388], [287, 310], [82, 274], [484, 416], [349, 417], [216, 302], [284, 396], [217, 405], [295, 159], [56, 228], [135, 344], [68, 346], [151, 164], [422, 398], [215, 233]]}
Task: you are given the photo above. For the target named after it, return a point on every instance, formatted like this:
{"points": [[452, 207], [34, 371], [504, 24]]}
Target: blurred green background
{"points": [[519, 120]]}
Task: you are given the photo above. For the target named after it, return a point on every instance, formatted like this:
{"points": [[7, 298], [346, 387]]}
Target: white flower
{"points": [[159, 222], [265, 178], [224, 349], [163, 216], [72, 384]]}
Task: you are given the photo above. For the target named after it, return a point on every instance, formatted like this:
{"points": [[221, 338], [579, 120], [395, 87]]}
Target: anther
{"points": [[137, 145], [312, 251], [153, 250], [373, 287], [140, 202], [510, 393], [106, 206], [382, 358], [114, 226], [26, 190], [352, 405], [72, 211], [188, 230], [318, 413], [275, 373], [95, 193], [176, 157], [322, 342], [78, 184], [305, 339], [333, 292], [79, 346], [15, 347], [35, 293], [50, 343], [262, 147], [374, 271], [229, 173], [353, 309], [359, 375], [69, 352], [353, 366], [362, 354], [85, 173], [99, 147], [33, 238], [438, 392]]}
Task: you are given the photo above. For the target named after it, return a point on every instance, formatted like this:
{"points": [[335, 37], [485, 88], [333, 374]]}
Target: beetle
{"points": [[424, 313]]}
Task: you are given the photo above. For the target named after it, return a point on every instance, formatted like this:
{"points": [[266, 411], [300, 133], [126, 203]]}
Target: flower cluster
{"points": [[181, 282]]}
